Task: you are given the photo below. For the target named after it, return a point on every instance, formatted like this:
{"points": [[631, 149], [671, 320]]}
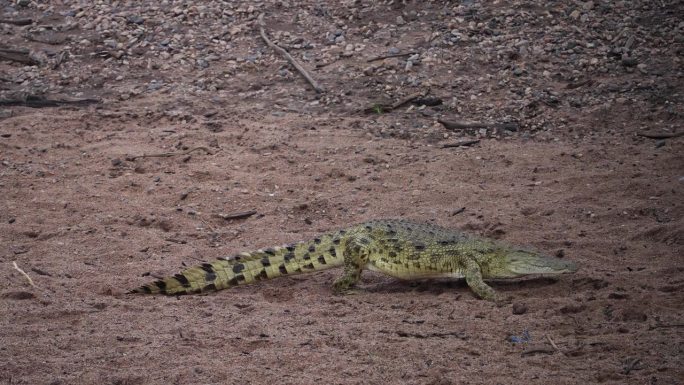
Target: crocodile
{"points": [[398, 248]]}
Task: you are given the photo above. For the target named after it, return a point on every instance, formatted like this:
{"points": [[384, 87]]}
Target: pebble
{"points": [[519, 308], [628, 61], [110, 43], [633, 315], [135, 19]]}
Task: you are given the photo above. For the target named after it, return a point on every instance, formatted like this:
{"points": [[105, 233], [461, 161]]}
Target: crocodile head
{"points": [[517, 263]]}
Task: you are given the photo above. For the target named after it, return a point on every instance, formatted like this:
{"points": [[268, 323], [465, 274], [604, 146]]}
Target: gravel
{"points": [[509, 62]]}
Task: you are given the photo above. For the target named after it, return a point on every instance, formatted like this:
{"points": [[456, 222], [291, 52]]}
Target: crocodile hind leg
{"points": [[355, 254]]}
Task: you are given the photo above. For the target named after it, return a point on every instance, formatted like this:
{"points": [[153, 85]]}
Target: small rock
{"points": [[519, 308], [629, 61], [633, 315], [616, 295], [19, 249], [572, 309], [110, 43], [382, 34], [165, 225], [135, 19], [370, 70], [154, 85]]}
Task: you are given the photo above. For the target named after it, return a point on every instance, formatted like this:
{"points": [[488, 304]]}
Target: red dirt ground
{"points": [[87, 223]]}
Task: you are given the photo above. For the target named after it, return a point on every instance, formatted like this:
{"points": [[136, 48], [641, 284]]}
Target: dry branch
{"points": [[22, 272], [463, 143], [17, 55], [660, 135], [38, 101], [238, 215], [548, 337], [460, 125], [383, 57], [168, 154], [289, 57], [380, 108], [16, 21]]}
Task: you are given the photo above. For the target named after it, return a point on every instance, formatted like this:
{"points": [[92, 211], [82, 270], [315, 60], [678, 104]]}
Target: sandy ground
{"points": [[87, 222]]}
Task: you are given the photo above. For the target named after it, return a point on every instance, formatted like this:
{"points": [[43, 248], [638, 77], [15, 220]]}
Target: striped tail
{"points": [[320, 254]]}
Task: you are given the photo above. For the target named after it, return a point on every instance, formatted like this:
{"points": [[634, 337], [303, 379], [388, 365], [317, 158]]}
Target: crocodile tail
{"points": [[319, 254]]}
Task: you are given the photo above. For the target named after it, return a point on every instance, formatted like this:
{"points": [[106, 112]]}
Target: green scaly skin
{"points": [[398, 248]]}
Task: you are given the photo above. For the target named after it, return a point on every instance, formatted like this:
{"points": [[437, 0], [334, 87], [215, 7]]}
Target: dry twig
{"points": [[461, 125], [16, 21], [22, 272], [538, 350], [18, 55], [660, 135], [168, 154], [383, 57], [463, 143], [289, 57], [238, 215], [548, 337], [631, 365], [664, 326], [380, 108], [407, 99], [39, 101]]}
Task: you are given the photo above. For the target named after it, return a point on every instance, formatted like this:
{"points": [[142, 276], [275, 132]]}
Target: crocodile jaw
{"points": [[520, 263]]}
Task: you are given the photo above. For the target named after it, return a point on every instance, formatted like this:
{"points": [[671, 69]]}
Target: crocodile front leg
{"points": [[473, 276]]}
